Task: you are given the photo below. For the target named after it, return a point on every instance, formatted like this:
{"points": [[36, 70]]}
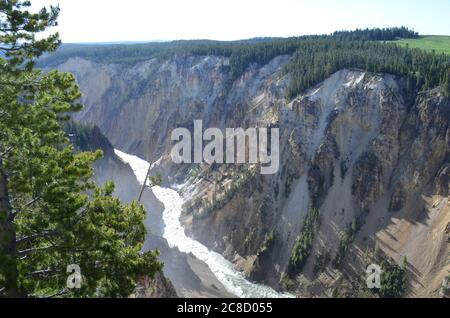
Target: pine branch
{"points": [[10, 49], [34, 249], [44, 272], [144, 184], [3, 154], [60, 293], [17, 211], [80, 216], [22, 83], [32, 202], [3, 114], [35, 236]]}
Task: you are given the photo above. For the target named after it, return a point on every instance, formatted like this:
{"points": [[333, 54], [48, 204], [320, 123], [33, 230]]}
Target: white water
{"points": [[224, 270]]}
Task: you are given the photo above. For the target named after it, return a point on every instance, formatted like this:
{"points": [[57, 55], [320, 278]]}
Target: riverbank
{"points": [[234, 282], [190, 277]]}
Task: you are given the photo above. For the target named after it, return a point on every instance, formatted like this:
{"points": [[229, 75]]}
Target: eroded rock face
{"points": [[367, 180], [349, 148], [352, 146], [443, 181], [156, 287], [398, 198]]}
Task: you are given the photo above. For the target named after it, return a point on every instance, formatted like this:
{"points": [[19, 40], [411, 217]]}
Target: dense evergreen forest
{"points": [[377, 34], [315, 57], [316, 60]]}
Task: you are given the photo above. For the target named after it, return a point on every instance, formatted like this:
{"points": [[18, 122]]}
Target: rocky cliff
{"points": [[359, 148]]}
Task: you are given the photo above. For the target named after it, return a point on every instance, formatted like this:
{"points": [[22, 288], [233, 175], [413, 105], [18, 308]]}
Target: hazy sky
{"points": [[144, 20]]}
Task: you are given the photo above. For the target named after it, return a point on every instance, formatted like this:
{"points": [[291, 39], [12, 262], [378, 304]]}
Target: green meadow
{"points": [[438, 43]]}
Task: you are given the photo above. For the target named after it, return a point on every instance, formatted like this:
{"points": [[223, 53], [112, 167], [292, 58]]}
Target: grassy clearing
{"points": [[438, 43]]}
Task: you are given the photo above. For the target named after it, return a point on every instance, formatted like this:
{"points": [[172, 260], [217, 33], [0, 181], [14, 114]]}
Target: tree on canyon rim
{"points": [[52, 215]]}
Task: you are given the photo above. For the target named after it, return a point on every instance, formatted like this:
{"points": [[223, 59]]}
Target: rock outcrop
{"points": [[156, 287]]}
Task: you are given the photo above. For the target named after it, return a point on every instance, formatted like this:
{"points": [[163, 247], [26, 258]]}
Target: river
{"points": [[233, 280]]}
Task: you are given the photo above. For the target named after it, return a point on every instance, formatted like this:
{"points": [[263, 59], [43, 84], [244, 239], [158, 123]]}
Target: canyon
{"points": [[374, 161]]}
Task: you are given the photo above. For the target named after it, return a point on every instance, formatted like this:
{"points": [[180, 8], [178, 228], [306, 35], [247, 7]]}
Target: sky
{"points": [[150, 20]]}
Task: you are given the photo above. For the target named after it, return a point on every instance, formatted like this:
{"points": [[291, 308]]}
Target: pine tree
{"points": [[51, 214], [404, 262], [447, 82]]}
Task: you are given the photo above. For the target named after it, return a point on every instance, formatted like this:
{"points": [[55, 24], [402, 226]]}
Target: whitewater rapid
{"points": [[232, 280]]}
